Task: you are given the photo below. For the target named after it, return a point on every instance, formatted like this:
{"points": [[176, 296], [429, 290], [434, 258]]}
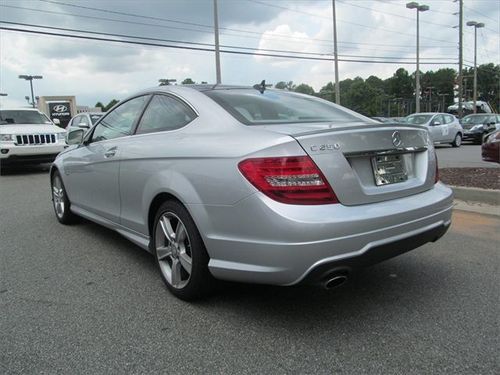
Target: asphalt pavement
{"points": [[81, 299], [467, 155]]}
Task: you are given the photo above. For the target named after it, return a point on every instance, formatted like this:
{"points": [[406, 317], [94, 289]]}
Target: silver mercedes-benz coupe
{"points": [[252, 185]]}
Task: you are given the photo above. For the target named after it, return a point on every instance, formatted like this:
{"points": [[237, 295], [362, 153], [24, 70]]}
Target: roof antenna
{"points": [[261, 86]]}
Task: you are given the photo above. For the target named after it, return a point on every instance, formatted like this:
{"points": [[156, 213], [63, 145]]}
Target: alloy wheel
{"points": [[58, 196], [173, 250]]}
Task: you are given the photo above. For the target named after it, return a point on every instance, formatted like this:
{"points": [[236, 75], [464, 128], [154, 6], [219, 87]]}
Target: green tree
{"points": [[304, 89], [282, 85], [188, 81], [327, 92], [400, 85]]}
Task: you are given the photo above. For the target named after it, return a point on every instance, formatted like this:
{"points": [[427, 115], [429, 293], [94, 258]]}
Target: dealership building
{"points": [[62, 108]]}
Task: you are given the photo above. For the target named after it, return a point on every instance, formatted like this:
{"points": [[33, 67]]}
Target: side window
{"points": [[83, 120], [165, 113], [75, 121], [437, 118], [449, 119], [120, 122]]}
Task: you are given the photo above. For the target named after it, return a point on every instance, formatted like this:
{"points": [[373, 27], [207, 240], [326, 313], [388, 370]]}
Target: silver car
{"points": [[443, 127], [259, 186], [84, 121]]}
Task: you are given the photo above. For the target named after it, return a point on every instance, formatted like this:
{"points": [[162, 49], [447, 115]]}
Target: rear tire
{"points": [[60, 200], [457, 141], [180, 253]]}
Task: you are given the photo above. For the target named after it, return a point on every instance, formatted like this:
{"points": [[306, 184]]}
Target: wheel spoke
{"points": [[55, 191], [185, 261], [180, 233], [176, 272], [163, 252], [166, 226]]}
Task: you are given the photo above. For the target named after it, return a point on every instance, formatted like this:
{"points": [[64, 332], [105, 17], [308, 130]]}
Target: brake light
{"points": [[292, 180], [436, 177]]}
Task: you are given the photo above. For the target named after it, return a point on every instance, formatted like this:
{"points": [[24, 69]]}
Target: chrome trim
{"points": [[399, 150]]}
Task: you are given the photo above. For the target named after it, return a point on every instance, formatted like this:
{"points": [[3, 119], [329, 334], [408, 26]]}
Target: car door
{"points": [[92, 169], [436, 128], [153, 152], [451, 128]]}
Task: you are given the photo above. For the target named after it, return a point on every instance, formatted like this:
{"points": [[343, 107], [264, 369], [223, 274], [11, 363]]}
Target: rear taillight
{"points": [[436, 177], [292, 180]]}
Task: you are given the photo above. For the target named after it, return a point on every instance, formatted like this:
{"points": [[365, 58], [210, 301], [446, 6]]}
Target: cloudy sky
{"points": [[382, 30]]}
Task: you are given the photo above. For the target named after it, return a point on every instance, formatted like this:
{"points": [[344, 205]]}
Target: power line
{"points": [[205, 31], [211, 50], [481, 14], [389, 13], [207, 44], [343, 21]]}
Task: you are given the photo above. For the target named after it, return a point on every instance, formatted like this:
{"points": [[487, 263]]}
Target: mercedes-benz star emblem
{"points": [[396, 139], [60, 108]]}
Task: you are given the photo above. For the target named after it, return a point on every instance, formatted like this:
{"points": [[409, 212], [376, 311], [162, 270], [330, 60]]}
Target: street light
{"points": [[476, 25], [419, 8], [31, 78]]}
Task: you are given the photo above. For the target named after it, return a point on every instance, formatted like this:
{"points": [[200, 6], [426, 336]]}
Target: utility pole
{"points": [[460, 54], [217, 50], [335, 55]]}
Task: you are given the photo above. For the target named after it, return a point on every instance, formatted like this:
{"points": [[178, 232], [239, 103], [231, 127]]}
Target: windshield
{"points": [[22, 117], [95, 117], [474, 119], [417, 119], [278, 107]]}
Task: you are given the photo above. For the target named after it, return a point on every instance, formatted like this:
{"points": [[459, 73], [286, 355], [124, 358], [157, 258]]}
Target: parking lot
{"points": [[81, 299]]}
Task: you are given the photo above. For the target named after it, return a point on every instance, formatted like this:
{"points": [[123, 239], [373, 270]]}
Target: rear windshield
{"points": [[8, 117], [481, 119], [417, 119], [278, 107]]}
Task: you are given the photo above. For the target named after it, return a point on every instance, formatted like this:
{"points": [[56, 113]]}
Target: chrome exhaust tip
{"points": [[334, 281]]}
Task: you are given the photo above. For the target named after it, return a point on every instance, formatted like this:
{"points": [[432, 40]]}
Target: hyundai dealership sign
{"points": [[61, 111]]}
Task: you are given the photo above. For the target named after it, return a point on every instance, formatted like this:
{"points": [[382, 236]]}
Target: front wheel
{"points": [[60, 200], [180, 253], [457, 141]]}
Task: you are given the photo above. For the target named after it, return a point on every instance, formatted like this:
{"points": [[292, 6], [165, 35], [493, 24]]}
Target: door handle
{"points": [[110, 153]]}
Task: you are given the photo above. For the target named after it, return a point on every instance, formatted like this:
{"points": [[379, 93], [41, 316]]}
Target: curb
{"points": [[467, 194]]}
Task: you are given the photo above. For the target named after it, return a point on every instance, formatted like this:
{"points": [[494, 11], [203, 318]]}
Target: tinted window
{"points": [[22, 117], [474, 119], [165, 113], [119, 122], [278, 107]]}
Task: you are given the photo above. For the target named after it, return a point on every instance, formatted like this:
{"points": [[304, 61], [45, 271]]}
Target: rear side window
{"points": [[449, 119], [165, 113], [278, 107]]}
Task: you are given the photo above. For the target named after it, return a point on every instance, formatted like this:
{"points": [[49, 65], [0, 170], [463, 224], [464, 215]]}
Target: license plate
{"points": [[389, 169]]}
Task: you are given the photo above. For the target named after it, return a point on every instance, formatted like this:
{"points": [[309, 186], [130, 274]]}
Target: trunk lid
{"points": [[368, 163]]}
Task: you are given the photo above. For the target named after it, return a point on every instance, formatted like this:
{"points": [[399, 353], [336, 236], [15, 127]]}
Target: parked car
{"points": [[259, 186], [478, 125], [490, 150], [443, 128], [84, 120], [28, 136]]}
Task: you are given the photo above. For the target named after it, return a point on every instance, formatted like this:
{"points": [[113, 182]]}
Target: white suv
{"points": [[28, 136]]}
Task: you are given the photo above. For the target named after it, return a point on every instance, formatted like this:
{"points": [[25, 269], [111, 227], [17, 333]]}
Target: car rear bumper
{"points": [[263, 241], [473, 136]]}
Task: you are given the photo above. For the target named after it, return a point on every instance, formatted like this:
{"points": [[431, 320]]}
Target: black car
{"points": [[478, 125]]}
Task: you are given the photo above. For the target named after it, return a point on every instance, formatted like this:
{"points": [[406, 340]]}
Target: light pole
{"points": [[335, 54], [31, 78], [476, 25], [419, 8], [217, 47]]}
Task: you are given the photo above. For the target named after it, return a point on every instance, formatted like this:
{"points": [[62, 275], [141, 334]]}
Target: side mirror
{"points": [[83, 125], [75, 137], [56, 121], [436, 122]]}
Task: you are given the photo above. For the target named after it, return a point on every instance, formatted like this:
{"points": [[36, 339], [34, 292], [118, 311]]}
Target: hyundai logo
{"points": [[396, 139], [60, 108]]}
